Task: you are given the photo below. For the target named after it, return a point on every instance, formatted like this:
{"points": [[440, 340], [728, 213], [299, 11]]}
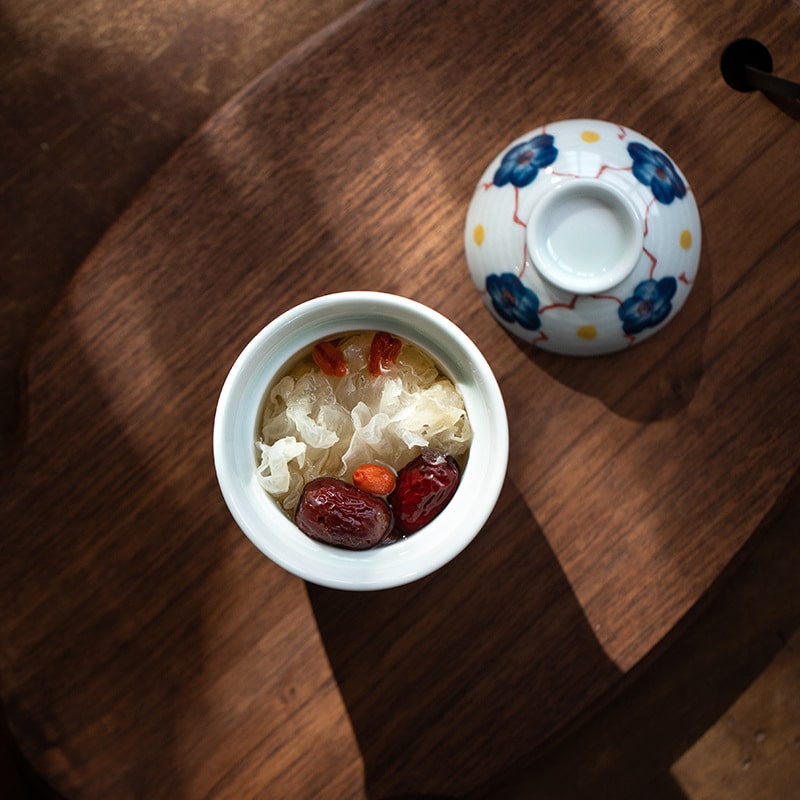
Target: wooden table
{"points": [[148, 650]]}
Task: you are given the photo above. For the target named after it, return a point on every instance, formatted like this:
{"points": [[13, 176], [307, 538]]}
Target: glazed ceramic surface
{"points": [[583, 237], [237, 425]]}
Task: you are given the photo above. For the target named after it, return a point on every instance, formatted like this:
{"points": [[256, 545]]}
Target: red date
{"points": [[424, 487], [338, 513]]}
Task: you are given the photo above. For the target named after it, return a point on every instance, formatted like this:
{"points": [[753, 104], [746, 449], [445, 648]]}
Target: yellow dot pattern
{"points": [[479, 234], [686, 239], [590, 137], [587, 332]]}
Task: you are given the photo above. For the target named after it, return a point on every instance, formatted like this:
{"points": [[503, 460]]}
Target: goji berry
{"points": [[375, 479], [330, 359], [383, 352]]}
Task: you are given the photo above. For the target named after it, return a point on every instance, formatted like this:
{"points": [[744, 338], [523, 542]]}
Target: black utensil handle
{"points": [[771, 84], [746, 66]]}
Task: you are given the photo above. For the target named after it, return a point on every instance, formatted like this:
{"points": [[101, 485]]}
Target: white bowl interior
{"points": [[237, 426]]}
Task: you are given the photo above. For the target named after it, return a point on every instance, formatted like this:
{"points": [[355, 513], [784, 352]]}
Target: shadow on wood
{"points": [[628, 749], [454, 677]]}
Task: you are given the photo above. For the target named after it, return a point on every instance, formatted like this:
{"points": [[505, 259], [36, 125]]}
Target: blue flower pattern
{"points": [[649, 305], [514, 301], [654, 169], [521, 164]]}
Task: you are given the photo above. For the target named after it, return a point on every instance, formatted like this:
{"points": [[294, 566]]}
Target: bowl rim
{"points": [[236, 427]]}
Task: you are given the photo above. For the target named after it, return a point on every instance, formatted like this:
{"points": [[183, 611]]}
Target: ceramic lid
{"points": [[583, 237]]}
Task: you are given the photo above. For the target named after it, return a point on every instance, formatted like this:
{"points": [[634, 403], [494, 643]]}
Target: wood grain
{"points": [[94, 98], [752, 748], [148, 650]]}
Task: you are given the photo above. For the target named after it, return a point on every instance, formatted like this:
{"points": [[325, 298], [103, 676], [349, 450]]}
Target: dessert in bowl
{"points": [[583, 237], [252, 399]]}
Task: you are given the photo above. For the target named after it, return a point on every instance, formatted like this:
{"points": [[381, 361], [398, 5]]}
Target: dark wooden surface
{"points": [[150, 651], [94, 98]]}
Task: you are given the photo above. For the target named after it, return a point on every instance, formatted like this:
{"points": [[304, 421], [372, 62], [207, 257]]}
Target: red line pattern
{"points": [[609, 168], [569, 305], [647, 215], [524, 225], [653, 261], [541, 338], [607, 297], [516, 209]]}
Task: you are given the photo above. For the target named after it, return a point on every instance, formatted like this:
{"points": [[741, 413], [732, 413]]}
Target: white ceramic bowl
{"points": [[237, 427], [583, 237]]}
